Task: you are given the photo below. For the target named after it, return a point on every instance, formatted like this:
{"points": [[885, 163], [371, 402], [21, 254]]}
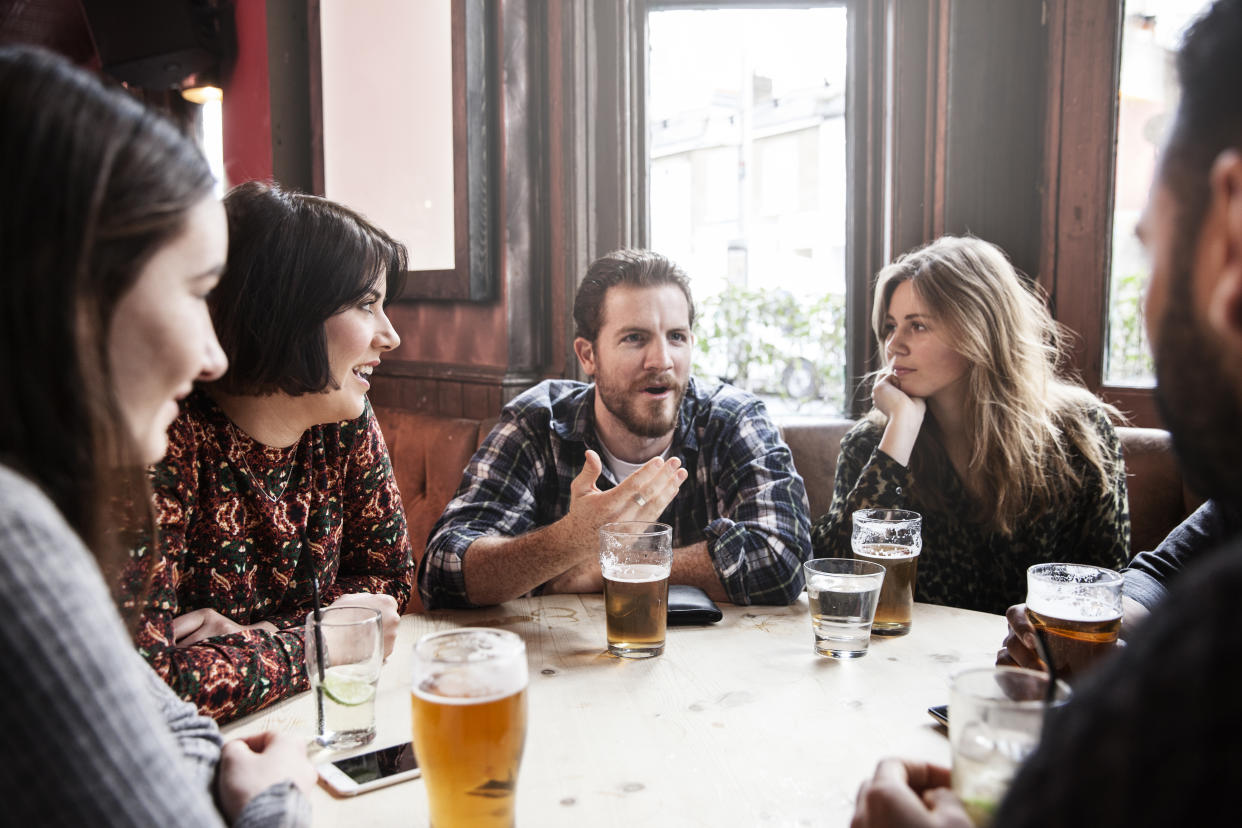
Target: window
{"points": [[746, 165], [1151, 32]]}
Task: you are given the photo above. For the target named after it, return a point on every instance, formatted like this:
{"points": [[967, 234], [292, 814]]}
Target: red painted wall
{"points": [[247, 104]]}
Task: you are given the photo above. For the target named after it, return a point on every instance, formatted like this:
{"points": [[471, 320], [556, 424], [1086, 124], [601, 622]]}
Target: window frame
{"points": [[611, 145], [1081, 160]]}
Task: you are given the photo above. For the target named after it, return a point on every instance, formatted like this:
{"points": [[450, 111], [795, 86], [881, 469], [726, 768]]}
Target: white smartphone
{"points": [[368, 771]]}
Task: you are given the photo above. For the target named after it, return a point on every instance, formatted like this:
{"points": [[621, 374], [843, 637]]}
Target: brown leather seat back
{"points": [[1157, 496], [429, 454], [815, 443]]}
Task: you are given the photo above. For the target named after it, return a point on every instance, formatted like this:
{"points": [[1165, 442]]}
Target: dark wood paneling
{"points": [[1082, 130], [288, 60], [995, 136], [917, 123]]}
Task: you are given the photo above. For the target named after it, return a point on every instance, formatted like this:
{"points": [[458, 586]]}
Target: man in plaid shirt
{"points": [[643, 441]]}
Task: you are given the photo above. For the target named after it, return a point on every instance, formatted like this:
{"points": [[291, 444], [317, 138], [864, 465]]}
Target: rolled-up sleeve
{"points": [[497, 496], [763, 533]]}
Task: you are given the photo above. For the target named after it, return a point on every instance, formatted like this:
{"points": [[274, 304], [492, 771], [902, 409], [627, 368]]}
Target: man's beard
{"points": [[1198, 399], [634, 412]]}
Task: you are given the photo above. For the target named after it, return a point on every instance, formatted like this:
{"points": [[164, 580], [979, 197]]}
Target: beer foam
{"points": [[474, 684], [887, 552], [636, 573], [469, 665], [1072, 608]]}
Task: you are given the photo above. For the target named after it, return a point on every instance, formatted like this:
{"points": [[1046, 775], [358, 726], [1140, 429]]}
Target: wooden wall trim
{"points": [[865, 100], [1083, 134]]}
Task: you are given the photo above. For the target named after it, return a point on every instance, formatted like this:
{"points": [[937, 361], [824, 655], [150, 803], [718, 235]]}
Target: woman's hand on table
{"points": [[1019, 647], [200, 624], [253, 764], [904, 792], [387, 607]]}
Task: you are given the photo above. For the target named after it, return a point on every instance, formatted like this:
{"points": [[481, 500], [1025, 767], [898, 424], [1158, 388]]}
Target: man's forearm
{"points": [[693, 565], [499, 569]]}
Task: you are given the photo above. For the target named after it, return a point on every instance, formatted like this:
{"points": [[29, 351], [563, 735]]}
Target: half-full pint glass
{"points": [[636, 558], [893, 538], [469, 721], [1078, 608]]}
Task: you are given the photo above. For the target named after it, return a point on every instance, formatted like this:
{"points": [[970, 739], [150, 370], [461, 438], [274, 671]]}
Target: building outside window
{"points": [[1152, 31], [747, 191]]}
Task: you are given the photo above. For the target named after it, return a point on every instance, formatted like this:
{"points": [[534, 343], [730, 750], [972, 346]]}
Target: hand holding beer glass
{"points": [[1078, 610], [892, 538], [468, 705], [636, 558]]}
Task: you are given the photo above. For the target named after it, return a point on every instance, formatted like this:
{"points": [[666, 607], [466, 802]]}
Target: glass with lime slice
{"points": [[350, 640]]}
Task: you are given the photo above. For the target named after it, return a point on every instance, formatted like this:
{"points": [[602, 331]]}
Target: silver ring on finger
{"points": [[640, 500]]}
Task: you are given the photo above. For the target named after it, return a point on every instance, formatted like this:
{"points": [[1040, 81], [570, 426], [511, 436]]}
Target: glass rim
{"points": [[856, 562], [513, 644], [647, 532], [1063, 695], [898, 515], [1042, 572], [324, 621]]}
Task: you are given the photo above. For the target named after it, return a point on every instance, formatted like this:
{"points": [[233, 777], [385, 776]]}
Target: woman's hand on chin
{"points": [[905, 417]]}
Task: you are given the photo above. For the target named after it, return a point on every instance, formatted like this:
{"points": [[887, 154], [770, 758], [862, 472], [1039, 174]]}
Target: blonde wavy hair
{"points": [[1025, 420]]}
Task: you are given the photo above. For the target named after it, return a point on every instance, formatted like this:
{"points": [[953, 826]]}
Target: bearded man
{"points": [[643, 441]]}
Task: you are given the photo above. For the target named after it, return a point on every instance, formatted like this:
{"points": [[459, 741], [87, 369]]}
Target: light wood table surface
{"points": [[737, 724]]}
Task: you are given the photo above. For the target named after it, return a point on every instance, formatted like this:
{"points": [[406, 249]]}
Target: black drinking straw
{"points": [[320, 720], [318, 631], [1041, 644]]}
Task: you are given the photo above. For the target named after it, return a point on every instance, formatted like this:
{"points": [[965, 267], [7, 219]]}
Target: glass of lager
{"points": [[842, 593], [344, 652], [468, 706], [1078, 608], [635, 558], [995, 717], [892, 538]]}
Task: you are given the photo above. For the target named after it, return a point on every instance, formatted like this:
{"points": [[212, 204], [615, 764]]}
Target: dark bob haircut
{"points": [[294, 261], [635, 268]]}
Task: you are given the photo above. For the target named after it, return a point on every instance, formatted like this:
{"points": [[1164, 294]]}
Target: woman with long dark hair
{"points": [[110, 241]]}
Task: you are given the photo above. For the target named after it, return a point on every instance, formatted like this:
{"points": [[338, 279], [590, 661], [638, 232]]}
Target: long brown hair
{"points": [[93, 184], [1025, 420]]}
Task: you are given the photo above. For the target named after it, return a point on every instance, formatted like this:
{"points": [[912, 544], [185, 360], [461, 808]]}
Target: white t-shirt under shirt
{"points": [[621, 469]]}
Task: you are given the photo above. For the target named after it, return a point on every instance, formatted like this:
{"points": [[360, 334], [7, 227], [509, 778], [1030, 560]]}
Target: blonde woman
{"points": [[1008, 463]]}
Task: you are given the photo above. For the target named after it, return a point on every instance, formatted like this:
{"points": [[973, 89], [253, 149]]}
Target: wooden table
{"points": [[738, 723]]}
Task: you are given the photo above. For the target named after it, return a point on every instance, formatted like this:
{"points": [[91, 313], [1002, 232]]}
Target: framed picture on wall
{"points": [[411, 147]]}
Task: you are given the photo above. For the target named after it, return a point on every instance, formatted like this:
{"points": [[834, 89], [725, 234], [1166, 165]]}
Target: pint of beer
{"points": [[1078, 608], [893, 538], [635, 558], [468, 710]]}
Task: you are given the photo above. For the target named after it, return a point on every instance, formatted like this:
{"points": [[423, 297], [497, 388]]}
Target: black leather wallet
{"points": [[690, 605]]}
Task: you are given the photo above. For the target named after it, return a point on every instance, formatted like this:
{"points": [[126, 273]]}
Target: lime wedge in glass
{"points": [[343, 686]]}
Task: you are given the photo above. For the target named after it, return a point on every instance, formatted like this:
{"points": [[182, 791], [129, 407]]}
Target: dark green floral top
{"points": [[964, 564], [242, 526]]}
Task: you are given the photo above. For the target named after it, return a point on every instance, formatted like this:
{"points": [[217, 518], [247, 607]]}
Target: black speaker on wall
{"points": [[160, 44]]}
